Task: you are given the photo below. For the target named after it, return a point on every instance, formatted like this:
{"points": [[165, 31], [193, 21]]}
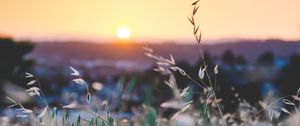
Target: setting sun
{"points": [[123, 32]]}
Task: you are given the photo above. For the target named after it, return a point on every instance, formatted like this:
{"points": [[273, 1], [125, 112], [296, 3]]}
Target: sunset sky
{"points": [[150, 19]]}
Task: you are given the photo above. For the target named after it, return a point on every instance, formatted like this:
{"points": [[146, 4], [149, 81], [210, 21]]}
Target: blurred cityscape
{"points": [[252, 68]]}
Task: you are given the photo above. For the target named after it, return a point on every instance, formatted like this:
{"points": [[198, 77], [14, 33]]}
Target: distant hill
{"points": [[66, 52]]}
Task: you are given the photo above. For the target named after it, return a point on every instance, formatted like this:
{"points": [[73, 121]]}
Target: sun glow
{"points": [[123, 32]]}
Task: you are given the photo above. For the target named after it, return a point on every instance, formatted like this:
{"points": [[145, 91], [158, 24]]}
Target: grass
{"points": [[188, 113]]}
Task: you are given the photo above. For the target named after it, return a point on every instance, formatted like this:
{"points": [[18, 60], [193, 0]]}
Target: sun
{"points": [[123, 32]]}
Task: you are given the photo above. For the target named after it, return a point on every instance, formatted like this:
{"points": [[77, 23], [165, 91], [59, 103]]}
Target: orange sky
{"points": [[151, 19]]}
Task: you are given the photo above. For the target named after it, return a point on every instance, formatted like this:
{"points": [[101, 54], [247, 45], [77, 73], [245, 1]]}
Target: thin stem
{"points": [[221, 113], [43, 96], [205, 86], [268, 106], [210, 82], [87, 88], [206, 73], [196, 93]]}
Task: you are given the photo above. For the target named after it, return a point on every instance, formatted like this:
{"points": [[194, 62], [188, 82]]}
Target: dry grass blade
{"points": [[182, 72], [27, 111], [31, 82], [288, 102], [172, 59], [28, 75], [195, 3], [11, 100], [34, 91], [182, 110], [15, 103], [195, 10], [184, 92], [191, 20], [201, 72], [79, 81], [271, 115], [71, 105], [296, 97], [199, 38], [148, 49], [286, 111], [74, 71], [196, 30], [41, 114], [216, 71], [21, 115]]}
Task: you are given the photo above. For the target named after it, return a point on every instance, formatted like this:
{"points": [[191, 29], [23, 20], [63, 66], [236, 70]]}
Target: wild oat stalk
{"points": [[34, 89], [274, 112], [78, 80], [203, 71], [196, 31], [165, 66]]}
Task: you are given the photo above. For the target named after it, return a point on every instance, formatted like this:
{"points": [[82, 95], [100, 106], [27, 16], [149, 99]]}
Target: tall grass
{"points": [[51, 117], [188, 113]]}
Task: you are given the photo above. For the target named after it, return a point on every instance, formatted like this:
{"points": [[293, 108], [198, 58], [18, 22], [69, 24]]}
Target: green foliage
{"points": [[149, 96], [103, 123], [131, 84], [63, 121], [54, 112], [67, 115], [91, 122], [121, 83], [78, 121], [96, 121], [204, 113], [150, 117], [110, 120]]}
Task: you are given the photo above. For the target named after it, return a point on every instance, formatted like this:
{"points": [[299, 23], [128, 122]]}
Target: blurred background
{"points": [[255, 43]]}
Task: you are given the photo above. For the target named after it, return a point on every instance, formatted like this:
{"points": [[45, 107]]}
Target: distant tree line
{"points": [[12, 61], [246, 79]]}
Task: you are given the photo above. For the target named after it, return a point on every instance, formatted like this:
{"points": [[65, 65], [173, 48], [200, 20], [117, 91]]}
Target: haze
{"points": [[150, 19]]}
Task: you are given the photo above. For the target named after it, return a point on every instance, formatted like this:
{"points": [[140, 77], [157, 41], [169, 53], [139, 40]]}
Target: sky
{"points": [[150, 19]]}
